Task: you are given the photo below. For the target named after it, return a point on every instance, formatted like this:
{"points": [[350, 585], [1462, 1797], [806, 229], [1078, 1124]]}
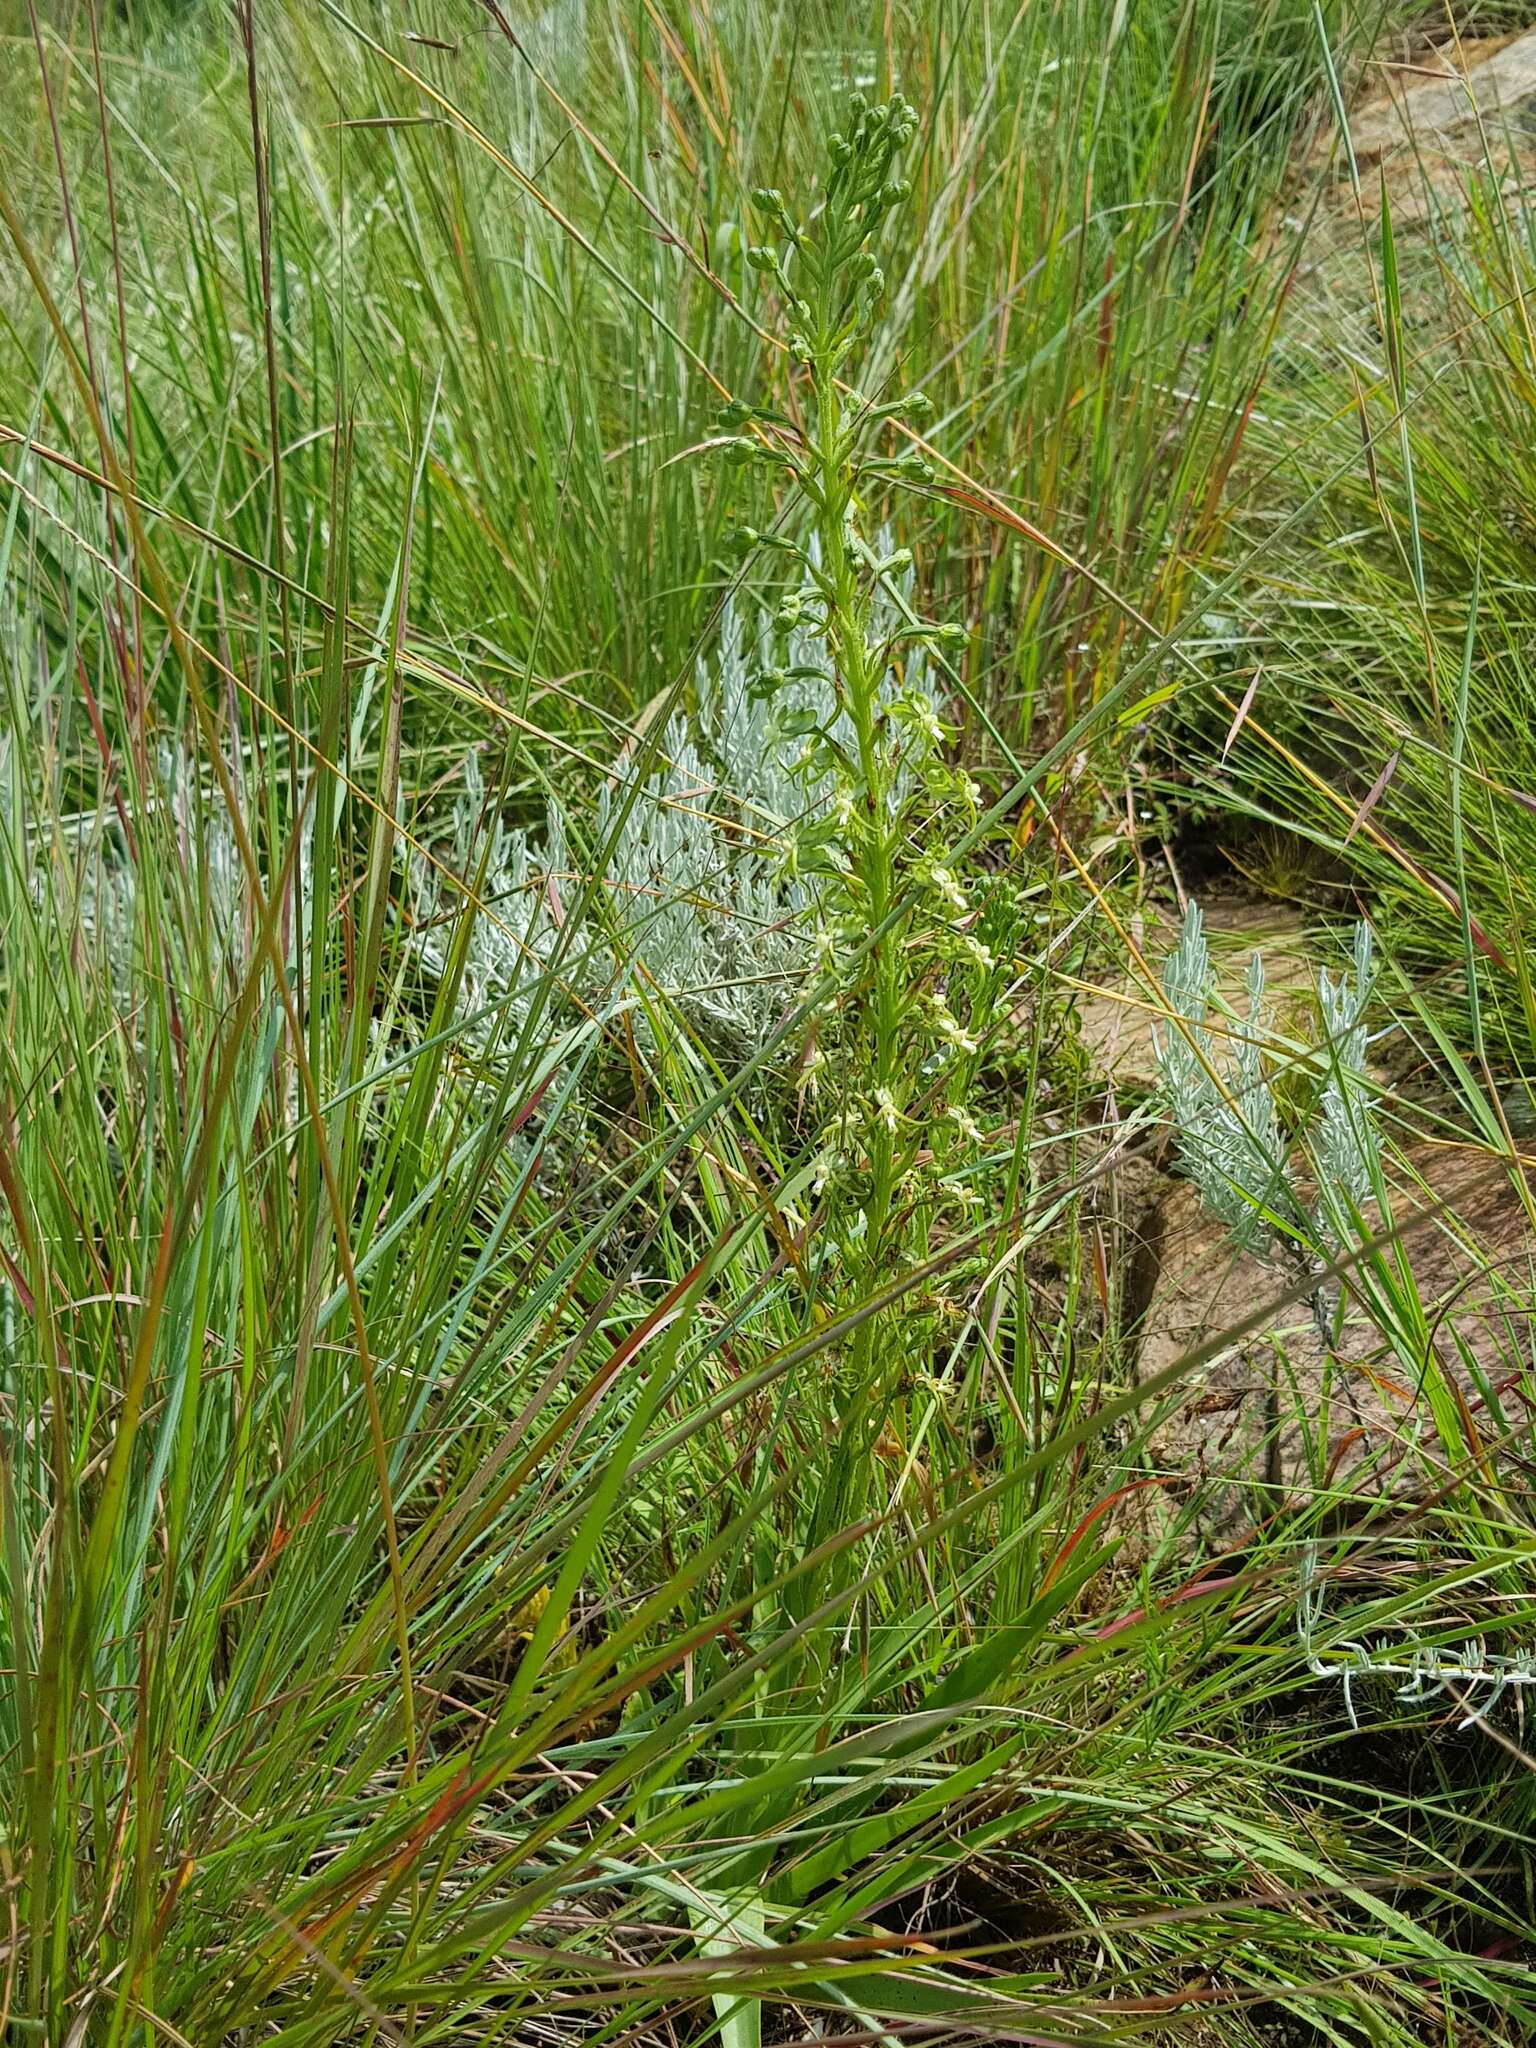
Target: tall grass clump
{"points": [[566, 1397], [1088, 221], [1390, 625]]}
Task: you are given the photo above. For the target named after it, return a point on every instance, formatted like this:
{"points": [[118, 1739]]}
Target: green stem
{"points": [[859, 670]]}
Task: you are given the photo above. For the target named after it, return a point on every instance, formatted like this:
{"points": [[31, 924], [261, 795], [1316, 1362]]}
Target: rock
{"points": [[1424, 123], [1384, 1404], [1444, 95]]}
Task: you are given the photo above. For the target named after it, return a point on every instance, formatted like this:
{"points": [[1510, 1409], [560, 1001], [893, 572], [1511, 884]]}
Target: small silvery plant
{"points": [[1217, 1095], [696, 900], [1231, 1140], [778, 723], [1474, 1677], [513, 939], [703, 914], [1345, 1145]]}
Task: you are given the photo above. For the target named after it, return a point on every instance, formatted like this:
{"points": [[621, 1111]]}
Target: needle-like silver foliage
{"points": [[1217, 1095], [1230, 1137], [1345, 1145]]}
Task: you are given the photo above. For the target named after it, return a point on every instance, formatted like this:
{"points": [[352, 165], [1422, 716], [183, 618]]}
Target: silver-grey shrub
{"points": [[1217, 1095]]}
